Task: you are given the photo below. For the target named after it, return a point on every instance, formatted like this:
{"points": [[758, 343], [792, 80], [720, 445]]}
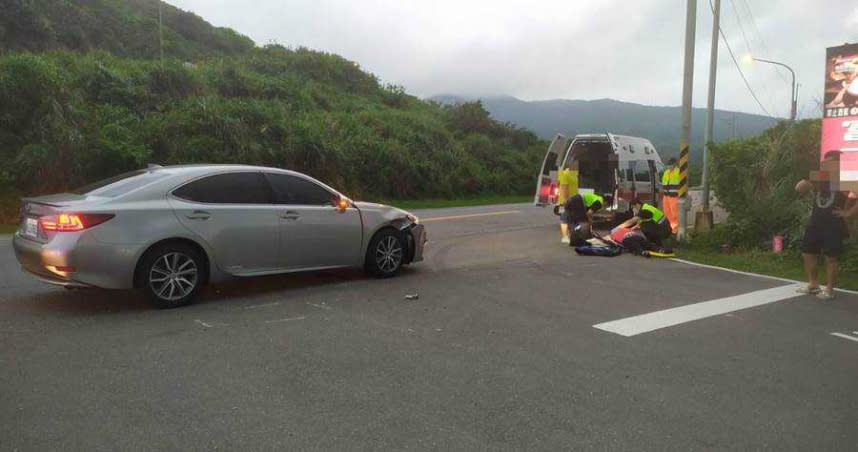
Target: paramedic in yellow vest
{"points": [[567, 186], [670, 194], [581, 208], [650, 220]]}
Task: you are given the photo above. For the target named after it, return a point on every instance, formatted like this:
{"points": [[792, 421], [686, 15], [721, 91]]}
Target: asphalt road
{"points": [[498, 353]]}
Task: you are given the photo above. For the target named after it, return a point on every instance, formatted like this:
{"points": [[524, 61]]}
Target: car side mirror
{"points": [[342, 204]]}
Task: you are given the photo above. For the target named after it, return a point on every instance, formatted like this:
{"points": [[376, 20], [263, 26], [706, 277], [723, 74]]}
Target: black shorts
{"points": [[575, 211], [824, 237], [656, 232]]}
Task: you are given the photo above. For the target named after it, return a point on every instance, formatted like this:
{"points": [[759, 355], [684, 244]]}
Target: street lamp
{"points": [[794, 98]]}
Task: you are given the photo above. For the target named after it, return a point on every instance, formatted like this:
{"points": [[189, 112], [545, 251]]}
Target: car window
{"points": [[641, 172], [626, 172], [121, 184], [228, 188], [295, 190]]}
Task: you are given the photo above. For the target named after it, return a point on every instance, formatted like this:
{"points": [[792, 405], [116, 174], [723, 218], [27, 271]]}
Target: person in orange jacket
{"points": [[670, 194]]}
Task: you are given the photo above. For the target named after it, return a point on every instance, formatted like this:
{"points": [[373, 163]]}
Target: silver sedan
{"points": [[170, 230]]}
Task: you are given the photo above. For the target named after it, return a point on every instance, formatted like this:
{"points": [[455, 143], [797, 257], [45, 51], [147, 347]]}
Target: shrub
{"points": [[754, 180], [80, 117]]}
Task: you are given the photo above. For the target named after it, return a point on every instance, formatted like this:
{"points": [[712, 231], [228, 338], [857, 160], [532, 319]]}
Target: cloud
{"points": [[628, 50], [852, 19]]}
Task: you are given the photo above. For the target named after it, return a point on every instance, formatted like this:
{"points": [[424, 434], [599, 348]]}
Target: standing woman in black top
{"points": [[826, 230]]}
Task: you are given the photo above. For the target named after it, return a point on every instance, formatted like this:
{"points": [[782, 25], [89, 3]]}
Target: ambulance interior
{"points": [[597, 165]]}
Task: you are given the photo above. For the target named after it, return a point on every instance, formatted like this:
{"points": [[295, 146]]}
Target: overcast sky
{"points": [[630, 50]]}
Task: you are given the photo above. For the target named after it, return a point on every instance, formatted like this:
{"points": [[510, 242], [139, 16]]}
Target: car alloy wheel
{"points": [[173, 276], [388, 254]]}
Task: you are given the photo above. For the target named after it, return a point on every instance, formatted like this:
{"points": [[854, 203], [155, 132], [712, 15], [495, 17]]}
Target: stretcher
{"points": [[662, 253]]}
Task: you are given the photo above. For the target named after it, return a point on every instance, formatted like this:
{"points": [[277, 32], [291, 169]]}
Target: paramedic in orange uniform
{"points": [[670, 194]]}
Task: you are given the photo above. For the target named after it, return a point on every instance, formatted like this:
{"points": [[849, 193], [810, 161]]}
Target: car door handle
{"points": [[199, 215], [290, 215]]}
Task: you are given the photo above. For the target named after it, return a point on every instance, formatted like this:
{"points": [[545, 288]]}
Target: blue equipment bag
{"points": [[605, 251]]}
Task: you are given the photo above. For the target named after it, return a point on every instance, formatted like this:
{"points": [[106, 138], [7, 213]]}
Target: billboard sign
{"points": [[840, 114]]}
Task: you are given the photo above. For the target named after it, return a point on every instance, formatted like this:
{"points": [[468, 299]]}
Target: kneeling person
{"points": [[651, 221], [579, 211]]}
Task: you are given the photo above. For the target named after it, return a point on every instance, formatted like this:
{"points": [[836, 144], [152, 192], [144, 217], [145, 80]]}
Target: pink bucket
{"points": [[778, 244]]}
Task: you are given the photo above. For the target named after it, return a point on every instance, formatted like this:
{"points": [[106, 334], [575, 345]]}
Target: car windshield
{"points": [[120, 184]]}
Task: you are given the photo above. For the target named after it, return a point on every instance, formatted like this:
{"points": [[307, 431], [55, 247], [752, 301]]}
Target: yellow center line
{"points": [[472, 215]]}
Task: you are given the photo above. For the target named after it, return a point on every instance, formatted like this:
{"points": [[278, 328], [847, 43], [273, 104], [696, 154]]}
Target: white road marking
{"points": [[288, 319], [320, 306], [472, 215], [845, 336], [261, 305], [632, 326], [738, 272]]}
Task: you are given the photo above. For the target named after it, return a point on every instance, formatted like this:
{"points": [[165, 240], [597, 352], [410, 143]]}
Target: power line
{"points": [[736, 12], [741, 27], [756, 29], [739, 68], [754, 24]]}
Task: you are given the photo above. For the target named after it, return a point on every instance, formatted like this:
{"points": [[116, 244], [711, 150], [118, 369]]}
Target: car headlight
{"points": [[413, 218]]}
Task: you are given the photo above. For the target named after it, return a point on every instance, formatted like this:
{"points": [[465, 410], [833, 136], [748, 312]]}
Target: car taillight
{"points": [[72, 222]]}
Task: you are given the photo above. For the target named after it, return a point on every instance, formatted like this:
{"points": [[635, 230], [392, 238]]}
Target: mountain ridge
{"points": [[659, 124]]}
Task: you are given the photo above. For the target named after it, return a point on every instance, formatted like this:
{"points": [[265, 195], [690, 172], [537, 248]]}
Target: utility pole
{"points": [[704, 220], [734, 125], [687, 86], [160, 29], [731, 121]]}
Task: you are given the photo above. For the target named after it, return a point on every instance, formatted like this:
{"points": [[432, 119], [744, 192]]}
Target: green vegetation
{"points": [[784, 265], [68, 118], [8, 228], [464, 202], [127, 28], [755, 179], [70, 115]]}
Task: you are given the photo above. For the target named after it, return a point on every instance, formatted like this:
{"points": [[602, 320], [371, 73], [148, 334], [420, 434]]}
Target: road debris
{"points": [[412, 296]]}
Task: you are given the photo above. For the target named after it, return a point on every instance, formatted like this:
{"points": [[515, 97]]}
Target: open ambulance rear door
{"points": [[546, 182]]}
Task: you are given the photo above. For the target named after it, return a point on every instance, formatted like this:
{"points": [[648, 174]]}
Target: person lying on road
{"points": [[650, 220]]}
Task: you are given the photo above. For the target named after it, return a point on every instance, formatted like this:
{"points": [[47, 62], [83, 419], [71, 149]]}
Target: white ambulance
{"points": [[617, 165]]}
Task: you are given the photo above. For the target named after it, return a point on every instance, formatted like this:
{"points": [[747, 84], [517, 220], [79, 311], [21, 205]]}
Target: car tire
{"points": [[385, 254], [171, 275]]}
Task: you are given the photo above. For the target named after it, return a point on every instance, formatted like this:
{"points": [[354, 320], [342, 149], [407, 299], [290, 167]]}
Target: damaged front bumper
{"points": [[418, 238]]}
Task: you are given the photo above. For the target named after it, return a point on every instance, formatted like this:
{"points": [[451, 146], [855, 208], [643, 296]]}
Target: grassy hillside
{"points": [[659, 124], [84, 96], [67, 118], [123, 27]]}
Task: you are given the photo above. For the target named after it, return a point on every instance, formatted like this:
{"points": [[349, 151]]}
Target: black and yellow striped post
{"points": [[682, 191], [683, 169]]}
